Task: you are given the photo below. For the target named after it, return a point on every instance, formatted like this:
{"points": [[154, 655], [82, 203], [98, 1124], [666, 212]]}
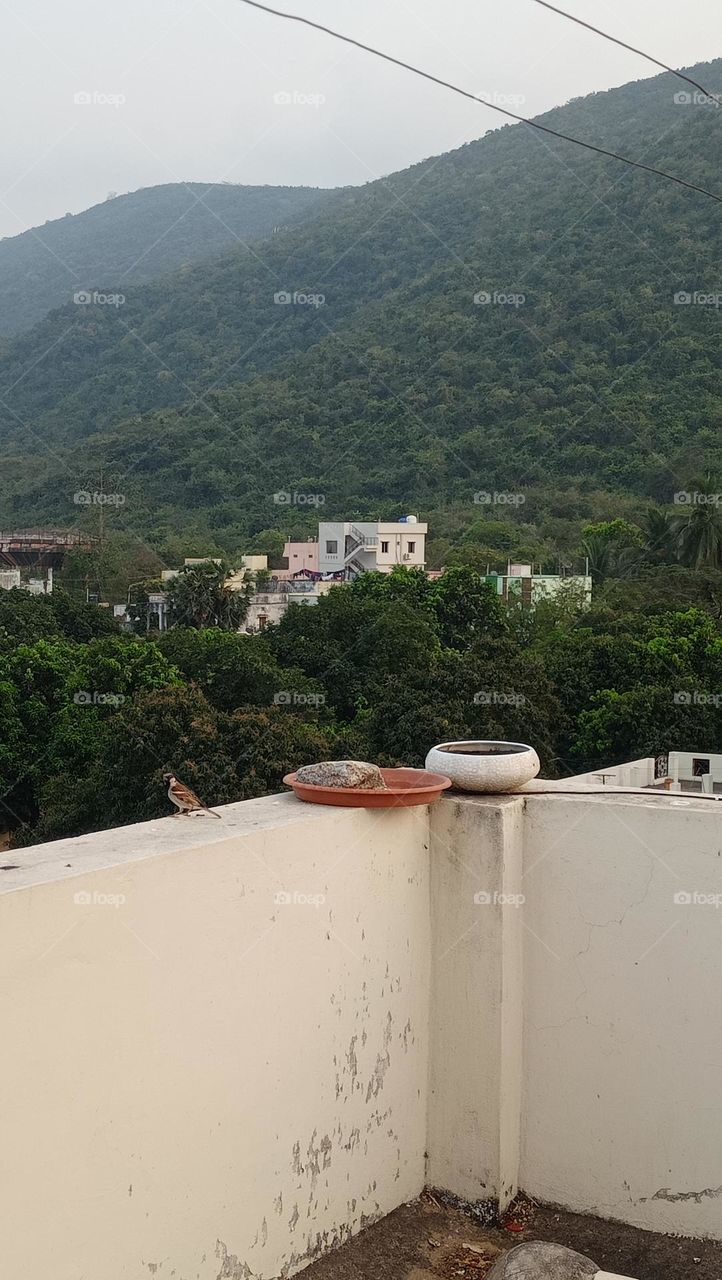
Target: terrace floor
{"points": [[426, 1240]]}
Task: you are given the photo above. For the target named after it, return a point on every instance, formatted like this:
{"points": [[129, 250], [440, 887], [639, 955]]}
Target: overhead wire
{"points": [[484, 102]]}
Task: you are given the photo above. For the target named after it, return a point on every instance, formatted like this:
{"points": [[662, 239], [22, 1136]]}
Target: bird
{"points": [[185, 800]]}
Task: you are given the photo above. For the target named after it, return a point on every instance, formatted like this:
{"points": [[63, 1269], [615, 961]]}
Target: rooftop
{"points": [[234, 1046]]}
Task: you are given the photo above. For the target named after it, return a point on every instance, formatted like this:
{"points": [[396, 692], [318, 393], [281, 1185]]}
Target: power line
{"points": [[445, 84], [597, 30]]}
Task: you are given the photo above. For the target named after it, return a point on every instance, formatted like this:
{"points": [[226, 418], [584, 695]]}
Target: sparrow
{"points": [[185, 800]]}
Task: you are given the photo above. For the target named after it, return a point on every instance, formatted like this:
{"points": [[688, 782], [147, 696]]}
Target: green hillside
{"points": [[581, 384], [134, 238]]}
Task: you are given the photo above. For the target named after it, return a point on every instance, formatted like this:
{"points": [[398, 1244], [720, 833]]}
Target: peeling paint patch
{"points": [[674, 1197], [292, 1221], [278, 1203], [231, 1267]]}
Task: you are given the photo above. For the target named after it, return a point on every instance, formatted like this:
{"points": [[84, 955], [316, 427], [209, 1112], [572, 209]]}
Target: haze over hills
{"points": [[575, 371], [136, 237]]}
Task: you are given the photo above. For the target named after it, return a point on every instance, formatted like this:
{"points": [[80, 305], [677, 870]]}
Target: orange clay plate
{"points": [[403, 787]]}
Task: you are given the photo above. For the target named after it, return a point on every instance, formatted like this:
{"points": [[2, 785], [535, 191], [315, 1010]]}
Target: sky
{"points": [[99, 97]]}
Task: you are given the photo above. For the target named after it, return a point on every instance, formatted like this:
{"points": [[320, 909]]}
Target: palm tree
{"points": [[200, 597], [698, 524], [660, 537]]}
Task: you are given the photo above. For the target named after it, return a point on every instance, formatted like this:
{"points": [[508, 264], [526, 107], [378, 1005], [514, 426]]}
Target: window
{"points": [[412, 547], [331, 547], [384, 548], [262, 621], [699, 768]]}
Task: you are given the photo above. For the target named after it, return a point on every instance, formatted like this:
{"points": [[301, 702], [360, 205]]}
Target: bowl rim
{"points": [[513, 750], [429, 781]]}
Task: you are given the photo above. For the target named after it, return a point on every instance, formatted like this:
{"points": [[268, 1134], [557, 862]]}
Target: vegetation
{"points": [[381, 669], [589, 399], [134, 238]]}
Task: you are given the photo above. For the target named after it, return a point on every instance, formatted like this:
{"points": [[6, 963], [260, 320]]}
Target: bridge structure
{"points": [[29, 557]]}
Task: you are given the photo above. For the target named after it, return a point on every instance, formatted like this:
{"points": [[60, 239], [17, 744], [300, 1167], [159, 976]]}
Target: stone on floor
{"points": [[538, 1260]]}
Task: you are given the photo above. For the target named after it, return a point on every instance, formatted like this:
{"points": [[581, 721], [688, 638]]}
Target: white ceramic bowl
{"points": [[484, 766]]}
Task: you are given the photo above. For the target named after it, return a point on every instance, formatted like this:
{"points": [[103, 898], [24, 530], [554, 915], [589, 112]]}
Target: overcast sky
{"points": [[185, 90]]}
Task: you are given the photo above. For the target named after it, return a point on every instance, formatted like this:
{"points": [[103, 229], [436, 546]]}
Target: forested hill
{"points": [[136, 237], [574, 368]]}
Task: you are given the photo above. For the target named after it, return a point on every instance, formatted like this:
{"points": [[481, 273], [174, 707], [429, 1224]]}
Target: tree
{"points": [[612, 547], [200, 597], [698, 526]]}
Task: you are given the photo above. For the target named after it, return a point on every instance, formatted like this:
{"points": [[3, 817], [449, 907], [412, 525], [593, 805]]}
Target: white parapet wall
{"points": [[607, 1034], [215, 1041], [228, 1045]]}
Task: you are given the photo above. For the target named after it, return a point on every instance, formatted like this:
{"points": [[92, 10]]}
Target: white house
{"points": [[354, 547]]}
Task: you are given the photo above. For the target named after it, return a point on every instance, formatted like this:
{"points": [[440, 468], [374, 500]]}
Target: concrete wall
{"points": [[476, 992], [582, 996], [228, 1044], [215, 1042], [622, 1114]]}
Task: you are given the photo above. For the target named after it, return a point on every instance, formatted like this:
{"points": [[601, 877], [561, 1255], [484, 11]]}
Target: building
{"points": [[693, 772], [302, 555], [520, 582], [363, 546], [270, 602]]}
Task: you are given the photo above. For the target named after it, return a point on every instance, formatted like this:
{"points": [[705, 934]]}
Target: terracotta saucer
{"points": [[403, 787]]}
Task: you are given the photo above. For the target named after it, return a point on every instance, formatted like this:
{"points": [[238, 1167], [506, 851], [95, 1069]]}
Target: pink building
{"points": [[301, 555]]}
